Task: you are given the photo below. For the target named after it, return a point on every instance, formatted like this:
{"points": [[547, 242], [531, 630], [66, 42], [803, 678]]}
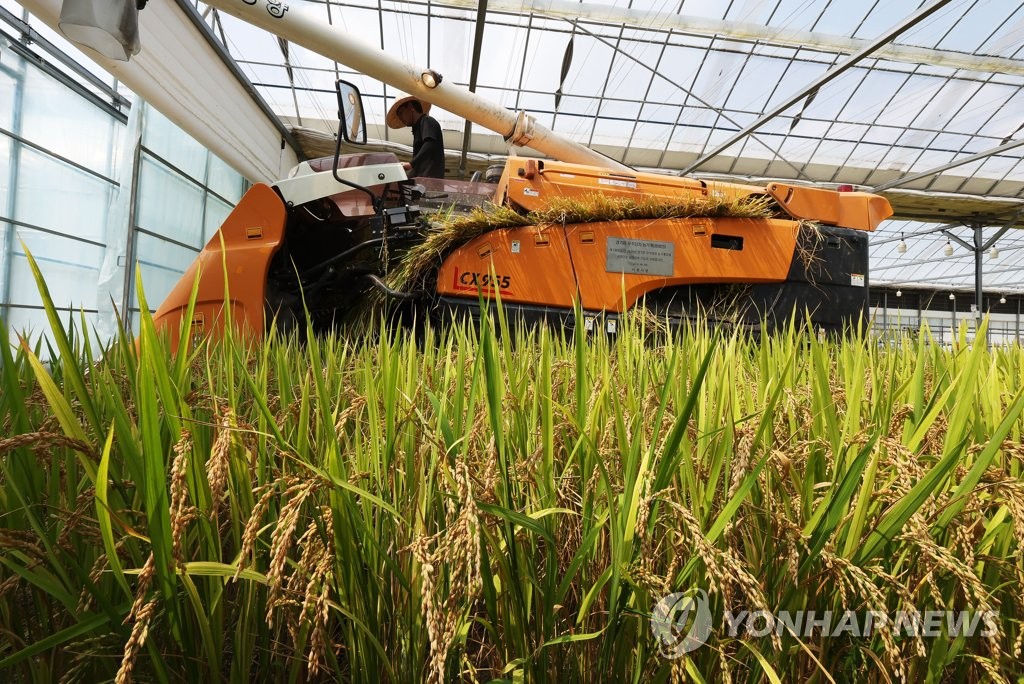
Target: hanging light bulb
{"points": [[993, 253], [952, 296], [902, 247], [1002, 299], [948, 250], [899, 293]]}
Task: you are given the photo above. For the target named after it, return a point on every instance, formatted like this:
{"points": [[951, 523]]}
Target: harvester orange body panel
{"points": [[612, 264], [533, 265], [859, 210], [251, 235], [531, 183]]}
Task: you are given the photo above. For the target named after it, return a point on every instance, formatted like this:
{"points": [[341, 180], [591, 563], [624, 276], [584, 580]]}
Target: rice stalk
{"points": [[461, 504]]}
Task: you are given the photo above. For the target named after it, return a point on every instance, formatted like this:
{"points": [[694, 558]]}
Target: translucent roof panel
{"points": [[747, 89]]}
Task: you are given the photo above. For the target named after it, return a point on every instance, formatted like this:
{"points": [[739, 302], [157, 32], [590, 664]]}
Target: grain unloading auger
{"points": [[321, 241]]}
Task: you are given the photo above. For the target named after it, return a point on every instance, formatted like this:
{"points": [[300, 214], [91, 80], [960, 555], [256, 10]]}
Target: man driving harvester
{"points": [[427, 142]]}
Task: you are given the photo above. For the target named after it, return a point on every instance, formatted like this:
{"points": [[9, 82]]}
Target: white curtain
{"points": [[110, 290]]}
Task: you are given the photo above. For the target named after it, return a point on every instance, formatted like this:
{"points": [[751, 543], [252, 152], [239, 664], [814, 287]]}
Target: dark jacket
{"points": [[427, 149]]}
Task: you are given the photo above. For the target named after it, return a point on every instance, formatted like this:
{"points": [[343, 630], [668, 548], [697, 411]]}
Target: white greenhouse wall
{"points": [[60, 156]]}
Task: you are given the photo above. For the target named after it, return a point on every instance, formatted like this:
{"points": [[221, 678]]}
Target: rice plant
{"points": [[503, 507]]}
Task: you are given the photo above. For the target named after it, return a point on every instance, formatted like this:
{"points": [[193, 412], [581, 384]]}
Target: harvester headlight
{"points": [[431, 78]]}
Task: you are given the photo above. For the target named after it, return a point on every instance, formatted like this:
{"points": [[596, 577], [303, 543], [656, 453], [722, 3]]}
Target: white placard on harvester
{"points": [[640, 257]]}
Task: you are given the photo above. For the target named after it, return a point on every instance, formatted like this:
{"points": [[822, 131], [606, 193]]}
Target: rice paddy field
{"points": [[494, 504]]}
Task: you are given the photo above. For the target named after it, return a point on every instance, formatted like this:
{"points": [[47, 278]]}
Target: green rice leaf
{"points": [[85, 626]]}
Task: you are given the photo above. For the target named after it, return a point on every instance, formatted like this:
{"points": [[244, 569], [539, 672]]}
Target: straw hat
{"points": [[392, 119]]}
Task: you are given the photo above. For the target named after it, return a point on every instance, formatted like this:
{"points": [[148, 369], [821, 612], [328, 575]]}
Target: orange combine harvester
{"points": [[321, 257], [311, 247]]}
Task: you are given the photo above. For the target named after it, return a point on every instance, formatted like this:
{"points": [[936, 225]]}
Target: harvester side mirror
{"points": [[351, 122], [351, 127]]}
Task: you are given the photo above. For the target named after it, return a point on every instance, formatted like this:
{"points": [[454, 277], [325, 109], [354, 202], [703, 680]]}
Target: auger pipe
{"points": [[294, 21]]}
